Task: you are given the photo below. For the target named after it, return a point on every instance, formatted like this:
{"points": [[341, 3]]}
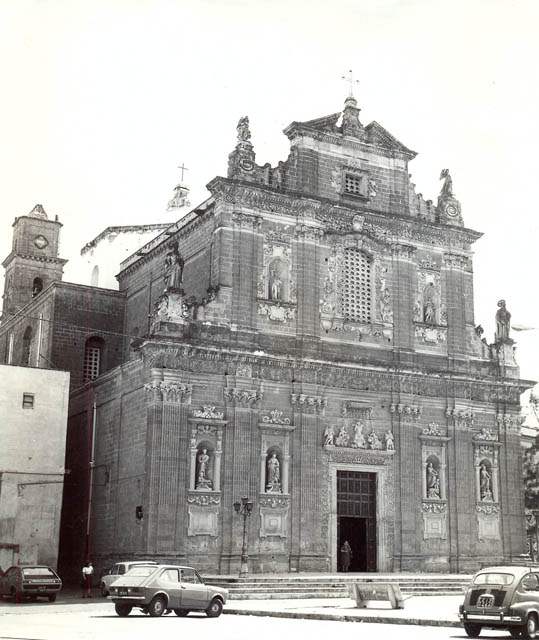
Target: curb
{"points": [[344, 618]]}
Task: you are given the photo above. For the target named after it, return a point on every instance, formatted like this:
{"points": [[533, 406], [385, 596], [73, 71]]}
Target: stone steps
{"points": [[301, 587]]}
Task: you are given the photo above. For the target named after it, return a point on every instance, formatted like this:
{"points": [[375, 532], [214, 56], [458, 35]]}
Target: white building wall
{"points": [[32, 458]]}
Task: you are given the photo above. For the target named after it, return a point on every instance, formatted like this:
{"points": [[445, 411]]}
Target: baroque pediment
{"points": [[376, 134]]}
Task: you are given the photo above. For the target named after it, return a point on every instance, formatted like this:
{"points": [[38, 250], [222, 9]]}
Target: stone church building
{"points": [[304, 338]]}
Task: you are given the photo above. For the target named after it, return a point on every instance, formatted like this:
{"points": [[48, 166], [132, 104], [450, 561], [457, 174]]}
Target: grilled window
{"points": [[27, 400], [354, 184], [92, 358], [357, 290]]}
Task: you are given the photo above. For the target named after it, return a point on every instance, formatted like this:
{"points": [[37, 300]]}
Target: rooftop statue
{"points": [[447, 187]]}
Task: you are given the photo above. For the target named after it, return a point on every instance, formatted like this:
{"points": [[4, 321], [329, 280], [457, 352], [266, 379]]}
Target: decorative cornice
{"points": [[207, 412], [410, 412], [275, 417], [308, 404], [433, 429], [437, 506], [487, 509], [456, 260], [460, 417], [203, 499], [168, 391], [242, 396], [274, 501]]}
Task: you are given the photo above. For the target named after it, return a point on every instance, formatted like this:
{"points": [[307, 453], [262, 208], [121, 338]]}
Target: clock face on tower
{"points": [[40, 241]]}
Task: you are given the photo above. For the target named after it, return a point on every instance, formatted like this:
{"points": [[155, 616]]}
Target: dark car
{"points": [[30, 581], [165, 588], [505, 597]]}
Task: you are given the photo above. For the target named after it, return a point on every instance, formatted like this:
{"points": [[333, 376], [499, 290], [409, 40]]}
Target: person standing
{"points": [[346, 556], [86, 580]]}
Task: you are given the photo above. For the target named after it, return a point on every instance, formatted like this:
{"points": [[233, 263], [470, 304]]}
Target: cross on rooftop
{"points": [[350, 80], [183, 168]]}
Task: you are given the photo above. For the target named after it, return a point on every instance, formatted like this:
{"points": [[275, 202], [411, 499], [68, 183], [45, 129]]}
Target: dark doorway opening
{"points": [[355, 531], [356, 518]]}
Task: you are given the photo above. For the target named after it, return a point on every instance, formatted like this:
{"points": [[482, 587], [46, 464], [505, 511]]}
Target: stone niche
{"points": [[274, 496], [434, 482], [487, 508], [204, 492]]}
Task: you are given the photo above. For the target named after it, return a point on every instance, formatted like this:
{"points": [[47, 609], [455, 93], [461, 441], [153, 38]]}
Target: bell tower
{"points": [[33, 263]]}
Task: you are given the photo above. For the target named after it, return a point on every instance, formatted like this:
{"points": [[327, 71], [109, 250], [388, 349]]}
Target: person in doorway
{"points": [[346, 556], [86, 580]]}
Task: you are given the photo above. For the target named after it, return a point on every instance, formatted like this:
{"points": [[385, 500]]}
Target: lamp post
{"points": [[535, 556], [244, 509]]}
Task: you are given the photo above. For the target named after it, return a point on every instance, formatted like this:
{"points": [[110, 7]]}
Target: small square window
{"points": [[27, 400], [355, 184]]}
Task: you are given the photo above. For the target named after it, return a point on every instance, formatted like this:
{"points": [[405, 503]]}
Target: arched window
{"points": [[26, 344], [93, 357], [357, 287], [37, 287], [94, 281]]}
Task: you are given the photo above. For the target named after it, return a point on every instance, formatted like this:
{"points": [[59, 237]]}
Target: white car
{"points": [[117, 570]]}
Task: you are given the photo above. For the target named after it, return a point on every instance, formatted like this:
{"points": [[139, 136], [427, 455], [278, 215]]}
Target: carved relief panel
{"points": [[276, 288]]}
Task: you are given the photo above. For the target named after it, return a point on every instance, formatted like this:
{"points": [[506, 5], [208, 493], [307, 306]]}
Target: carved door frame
{"points": [[384, 513]]}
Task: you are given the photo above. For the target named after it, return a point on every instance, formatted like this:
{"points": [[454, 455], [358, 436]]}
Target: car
{"points": [[502, 597], [165, 588], [30, 581], [119, 569]]}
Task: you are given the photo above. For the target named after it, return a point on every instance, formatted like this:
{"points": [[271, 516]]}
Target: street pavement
{"points": [[434, 611]]}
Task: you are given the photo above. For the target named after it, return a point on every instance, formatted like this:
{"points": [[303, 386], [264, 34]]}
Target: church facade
{"points": [[311, 346]]}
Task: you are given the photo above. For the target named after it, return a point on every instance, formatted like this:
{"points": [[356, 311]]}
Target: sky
{"points": [[103, 100]]}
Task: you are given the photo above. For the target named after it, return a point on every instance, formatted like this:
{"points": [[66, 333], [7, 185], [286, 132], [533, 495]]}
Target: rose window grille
{"points": [[356, 289]]}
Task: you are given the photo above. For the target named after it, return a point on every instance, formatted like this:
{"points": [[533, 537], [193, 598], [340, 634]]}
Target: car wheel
{"points": [[123, 610], [181, 612], [104, 591], [472, 630], [215, 608], [157, 607], [52, 597], [531, 627]]}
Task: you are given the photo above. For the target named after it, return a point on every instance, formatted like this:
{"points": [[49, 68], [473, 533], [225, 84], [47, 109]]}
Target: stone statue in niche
{"points": [[202, 480], [359, 439], [417, 311], [329, 435], [342, 438], [389, 439], [485, 487], [433, 482], [276, 289], [503, 321], [273, 483], [429, 312], [447, 187], [173, 269], [374, 440]]}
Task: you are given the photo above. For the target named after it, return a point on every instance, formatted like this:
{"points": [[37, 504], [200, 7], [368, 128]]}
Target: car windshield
{"points": [[141, 571], [494, 578], [38, 571]]}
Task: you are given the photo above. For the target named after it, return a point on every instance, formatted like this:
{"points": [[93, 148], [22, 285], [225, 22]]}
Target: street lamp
{"points": [[535, 556], [244, 509]]}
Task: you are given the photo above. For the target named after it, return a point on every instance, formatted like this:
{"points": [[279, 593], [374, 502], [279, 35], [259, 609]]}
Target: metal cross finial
{"points": [[183, 168], [351, 81]]}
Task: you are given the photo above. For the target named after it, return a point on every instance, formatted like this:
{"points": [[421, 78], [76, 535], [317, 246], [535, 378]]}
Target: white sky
{"points": [[101, 100]]}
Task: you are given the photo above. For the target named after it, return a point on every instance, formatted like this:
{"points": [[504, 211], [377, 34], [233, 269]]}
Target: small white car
{"points": [[117, 570]]}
